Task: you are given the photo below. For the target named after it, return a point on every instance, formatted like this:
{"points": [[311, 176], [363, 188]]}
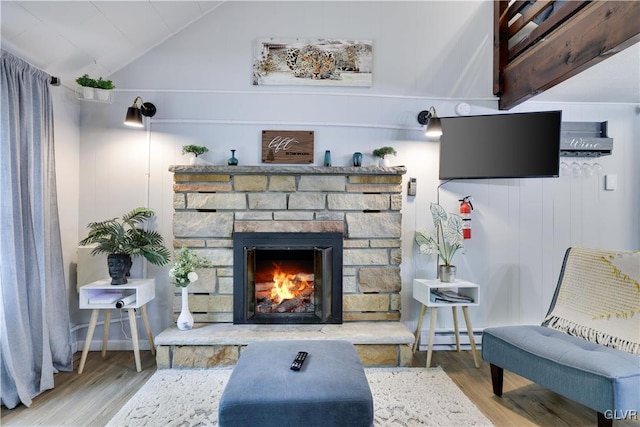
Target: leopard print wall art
{"points": [[312, 62]]}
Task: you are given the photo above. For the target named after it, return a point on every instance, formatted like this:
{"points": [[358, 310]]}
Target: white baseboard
{"points": [[112, 345]]}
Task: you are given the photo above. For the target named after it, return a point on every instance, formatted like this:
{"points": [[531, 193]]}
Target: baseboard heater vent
{"points": [[446, 340]]}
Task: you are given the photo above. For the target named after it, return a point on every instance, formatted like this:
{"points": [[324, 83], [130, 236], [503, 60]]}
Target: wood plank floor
{"points": [[93, 398]]}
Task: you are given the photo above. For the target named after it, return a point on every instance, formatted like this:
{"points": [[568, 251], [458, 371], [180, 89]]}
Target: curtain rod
{"points": [[54, 81]]}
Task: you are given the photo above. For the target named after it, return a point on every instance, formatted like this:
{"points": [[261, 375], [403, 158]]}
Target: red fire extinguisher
{"points": [[465, 212]]}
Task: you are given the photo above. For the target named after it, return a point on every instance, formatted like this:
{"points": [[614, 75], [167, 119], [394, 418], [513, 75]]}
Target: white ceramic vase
{"points": [[185, 320]]}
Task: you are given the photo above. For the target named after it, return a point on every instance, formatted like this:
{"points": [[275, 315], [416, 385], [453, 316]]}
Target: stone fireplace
{"points": [[287, 278], [360, 207]]}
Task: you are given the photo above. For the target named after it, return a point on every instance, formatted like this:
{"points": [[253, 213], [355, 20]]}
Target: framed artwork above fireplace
{"points": [[312, 62]]}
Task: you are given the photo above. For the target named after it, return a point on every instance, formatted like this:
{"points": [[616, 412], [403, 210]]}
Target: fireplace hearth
{"points": [[291, 278]]}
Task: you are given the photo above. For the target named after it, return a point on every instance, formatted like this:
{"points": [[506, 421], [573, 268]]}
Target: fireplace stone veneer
{"points": [[363, 203], [211, 203]]}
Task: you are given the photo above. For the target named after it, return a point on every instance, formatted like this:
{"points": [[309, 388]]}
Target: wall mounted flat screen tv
{"points": [[518, 145]]}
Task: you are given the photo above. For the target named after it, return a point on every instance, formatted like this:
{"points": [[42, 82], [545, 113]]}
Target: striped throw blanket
{"points": [[598, 298]]}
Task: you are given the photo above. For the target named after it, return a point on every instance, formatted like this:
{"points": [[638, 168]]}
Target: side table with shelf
{"points": [[423, 292], [102, 295]]}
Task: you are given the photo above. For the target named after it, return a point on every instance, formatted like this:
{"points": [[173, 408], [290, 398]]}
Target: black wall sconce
{"points": [[429, 118], [135, 113]]}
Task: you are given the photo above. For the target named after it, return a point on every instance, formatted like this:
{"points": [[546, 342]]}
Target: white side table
{"points": [[423, 292], [102, 295]]}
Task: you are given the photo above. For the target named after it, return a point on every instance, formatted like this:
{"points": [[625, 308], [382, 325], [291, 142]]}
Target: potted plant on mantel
{"points": [[123, 239], [196, 150], [381, 153], [445, 242]]}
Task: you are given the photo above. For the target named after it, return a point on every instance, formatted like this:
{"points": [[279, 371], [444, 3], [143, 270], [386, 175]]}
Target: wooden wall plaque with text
{"points": [[287, 146]]}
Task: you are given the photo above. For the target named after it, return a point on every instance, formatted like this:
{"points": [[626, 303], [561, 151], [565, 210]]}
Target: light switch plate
{"points": [[610, 182]]}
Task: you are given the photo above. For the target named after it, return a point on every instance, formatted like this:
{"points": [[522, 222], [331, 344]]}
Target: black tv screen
{"points": [[518, 145]]}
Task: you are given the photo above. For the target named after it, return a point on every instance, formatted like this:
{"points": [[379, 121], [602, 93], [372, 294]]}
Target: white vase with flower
{"points": [[183, 271], [444, 241]]}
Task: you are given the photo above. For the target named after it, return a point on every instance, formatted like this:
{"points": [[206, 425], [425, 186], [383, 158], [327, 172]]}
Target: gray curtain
{"points": [[34, 317]]}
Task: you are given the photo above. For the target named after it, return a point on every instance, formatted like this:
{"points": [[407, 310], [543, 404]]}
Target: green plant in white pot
{"points": [[104, 88], [123, 239], [382, 154], [444, 241], [88, 85], [196, 150]]}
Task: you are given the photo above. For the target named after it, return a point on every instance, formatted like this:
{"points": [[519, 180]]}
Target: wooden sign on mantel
{"points": [[287, 146]]}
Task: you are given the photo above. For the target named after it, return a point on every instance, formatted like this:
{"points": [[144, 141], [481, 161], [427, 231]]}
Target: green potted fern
{"points": [[123, 239]]}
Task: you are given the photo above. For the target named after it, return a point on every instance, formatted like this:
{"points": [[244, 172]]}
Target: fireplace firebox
{"points": [[287, 277]]}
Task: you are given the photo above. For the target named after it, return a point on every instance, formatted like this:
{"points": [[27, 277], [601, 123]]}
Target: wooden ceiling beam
{"points": [[601, 29]]}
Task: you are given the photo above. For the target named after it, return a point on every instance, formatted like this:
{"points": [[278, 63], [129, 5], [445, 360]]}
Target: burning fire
{"points": [[286, 286]]}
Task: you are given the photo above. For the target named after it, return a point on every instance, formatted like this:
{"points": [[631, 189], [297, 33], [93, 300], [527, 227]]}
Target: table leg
{"points": [[467, 319], [455, 327], [134, 337], [105, 331], [87, 342], [147, 326], [432, 333], [423, 309]]}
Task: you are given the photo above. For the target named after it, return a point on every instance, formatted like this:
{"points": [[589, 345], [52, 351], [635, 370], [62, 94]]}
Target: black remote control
{"points": [[299, 360]]}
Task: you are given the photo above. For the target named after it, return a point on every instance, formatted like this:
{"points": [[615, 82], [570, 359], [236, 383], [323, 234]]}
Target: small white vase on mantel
{"points": [[185, 320]]}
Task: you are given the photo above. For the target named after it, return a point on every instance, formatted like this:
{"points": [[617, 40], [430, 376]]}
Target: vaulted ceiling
{"points": [[70, 38]]}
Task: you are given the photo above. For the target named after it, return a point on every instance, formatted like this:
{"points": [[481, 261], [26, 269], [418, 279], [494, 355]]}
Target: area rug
{"points": [[401, 396]]}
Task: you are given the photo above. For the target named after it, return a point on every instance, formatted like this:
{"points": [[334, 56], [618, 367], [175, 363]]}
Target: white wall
{"points": [[200, 82]]}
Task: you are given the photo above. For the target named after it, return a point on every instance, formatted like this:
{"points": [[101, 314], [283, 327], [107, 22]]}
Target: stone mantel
{"points": [[288, 170]]}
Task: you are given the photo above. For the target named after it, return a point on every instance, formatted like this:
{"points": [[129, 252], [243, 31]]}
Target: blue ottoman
{"points": [[331, 389]]}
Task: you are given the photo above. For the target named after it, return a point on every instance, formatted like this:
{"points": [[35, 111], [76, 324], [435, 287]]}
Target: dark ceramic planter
{"points": [[119, 266]]}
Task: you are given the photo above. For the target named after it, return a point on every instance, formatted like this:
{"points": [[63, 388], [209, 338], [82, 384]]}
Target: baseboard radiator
{"points": [[446, 340]]}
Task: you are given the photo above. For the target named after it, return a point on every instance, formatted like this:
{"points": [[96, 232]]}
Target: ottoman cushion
{"points": [[330, 389]]}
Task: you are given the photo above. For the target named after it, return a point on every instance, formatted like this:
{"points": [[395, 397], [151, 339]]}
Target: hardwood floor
{"points": [[523, 403], [93, 398], [90, 399]]}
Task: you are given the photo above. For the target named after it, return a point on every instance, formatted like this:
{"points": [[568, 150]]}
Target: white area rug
{"points": [[401, 396]]}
